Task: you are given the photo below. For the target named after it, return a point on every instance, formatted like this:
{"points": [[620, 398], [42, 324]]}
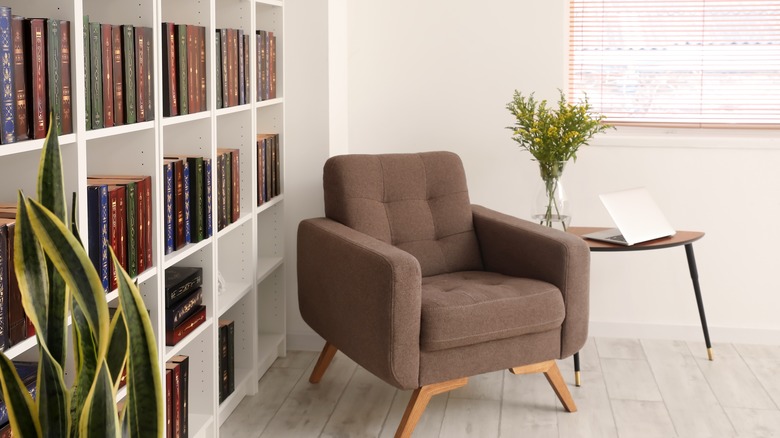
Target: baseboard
{"points": [[304, 342], [734, 335]]}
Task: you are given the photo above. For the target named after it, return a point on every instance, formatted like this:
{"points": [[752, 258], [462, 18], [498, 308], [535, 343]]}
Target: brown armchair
{"points": [[423, 289]]}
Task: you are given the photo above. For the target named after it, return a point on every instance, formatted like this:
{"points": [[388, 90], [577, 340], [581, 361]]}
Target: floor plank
{"points": [[430, 422], [464, 418], [630, 379], [530, 407], [756, 423], [593, 418], [616, 348], [642, 419]]}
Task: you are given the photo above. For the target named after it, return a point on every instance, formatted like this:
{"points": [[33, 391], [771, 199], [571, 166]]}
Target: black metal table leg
{"points": [[577, 380], [697, 291]]}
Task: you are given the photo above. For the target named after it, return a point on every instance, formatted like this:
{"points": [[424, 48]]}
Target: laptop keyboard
{"points": [[618, 238]]}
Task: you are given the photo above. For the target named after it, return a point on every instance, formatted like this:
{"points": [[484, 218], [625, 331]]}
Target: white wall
{"points": [[437, 75]]}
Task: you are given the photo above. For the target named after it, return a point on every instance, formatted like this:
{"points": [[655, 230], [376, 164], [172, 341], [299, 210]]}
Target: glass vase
{"points": [[552, 207]]}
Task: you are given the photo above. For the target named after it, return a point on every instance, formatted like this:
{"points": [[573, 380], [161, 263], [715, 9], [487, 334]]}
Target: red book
{"points": [[192, 62], [175, 394], [170, 92], [108, 75], [202, 67], [121, 250], [140, 68], [168, 400], [172, 337], [235, 175], [40, 116], [21, 128], [147, 184], [67, 111], [272, 65], [140, 209], [118, 73]]}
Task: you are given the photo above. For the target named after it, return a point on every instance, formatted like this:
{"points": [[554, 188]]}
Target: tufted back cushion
{"points": [[416, 202]]}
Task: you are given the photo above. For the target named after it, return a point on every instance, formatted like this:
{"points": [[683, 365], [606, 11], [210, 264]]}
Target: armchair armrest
{"points": [[363, 296], [520, 248]]}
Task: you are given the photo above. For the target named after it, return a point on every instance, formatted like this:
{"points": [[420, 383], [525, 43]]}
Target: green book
{"points": [[181, 56], [196, 199], [218, 55], [96, 71], [228, 188], [87, 82], [129, 65], [132, 228], [53, 56]]}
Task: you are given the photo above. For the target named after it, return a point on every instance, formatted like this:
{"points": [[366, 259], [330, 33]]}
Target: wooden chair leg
{"points": [[419, 401], [553, 375], [322, 363]]}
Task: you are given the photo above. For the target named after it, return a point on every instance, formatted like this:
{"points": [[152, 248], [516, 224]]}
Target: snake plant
{"points": [[57, 279]]}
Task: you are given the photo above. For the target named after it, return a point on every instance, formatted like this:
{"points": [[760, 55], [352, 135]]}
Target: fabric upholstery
{"points": [[416, 202]]}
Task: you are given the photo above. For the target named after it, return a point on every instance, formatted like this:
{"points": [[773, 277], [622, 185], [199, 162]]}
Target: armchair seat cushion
{"points": [[470, 307]]}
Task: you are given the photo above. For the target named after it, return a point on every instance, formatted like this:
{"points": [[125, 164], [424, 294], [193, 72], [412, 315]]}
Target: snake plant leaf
{"points": [[100, 418], [30, 267], [144, 394], [76, 268], [21, 410], [51, 182], [117, 348], [52, 400], [86, 364]]}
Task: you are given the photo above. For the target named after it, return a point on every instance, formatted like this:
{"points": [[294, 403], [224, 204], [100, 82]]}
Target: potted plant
{"points": [[56, 275], [553, 136]]}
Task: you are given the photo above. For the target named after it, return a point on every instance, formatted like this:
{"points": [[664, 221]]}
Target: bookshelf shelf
{"points": [[268, 204], [278, 3], [175, 120], [233, 109], [233, 293], [178, 348], [243, 376], [270, 102], [181, 254], [118, 130]]}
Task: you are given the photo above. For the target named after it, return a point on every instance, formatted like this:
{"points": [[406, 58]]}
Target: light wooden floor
{"points": [[630, 388]]}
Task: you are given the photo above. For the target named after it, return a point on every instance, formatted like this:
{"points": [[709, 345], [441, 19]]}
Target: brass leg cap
{"points": [[577, 379], [709, 353]]}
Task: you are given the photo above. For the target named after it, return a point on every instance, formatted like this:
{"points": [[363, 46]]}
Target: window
{"points": [[696, 63]]}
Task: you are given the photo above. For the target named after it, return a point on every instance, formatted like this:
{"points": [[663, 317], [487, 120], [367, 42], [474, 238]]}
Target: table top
{"points": [[680, 238]]}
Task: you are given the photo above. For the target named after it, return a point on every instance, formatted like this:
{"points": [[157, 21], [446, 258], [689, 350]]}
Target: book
{"points": [[147, 185], [222, 344], [232, 67], [66, 125], [186, 207], [183, 63], [261, 61], [5, 267], [208, 216], [130, 218], [231, 357], [168, 401], [179, 282], [175, 391], [172, 337], [21, 80], [121, 249], [96, 69], [7, 98], [148, 69], [272, 66], [197, 229], [87, 74], [117, 41], [235, 174], [169, 206], [97, 212], [241, 79], [261, 169], [218, 72], [140, 68], [40, 99], [223, 48], [178, 204], [202, 76], [107, 63], [247, 73], [129, 79], [113, 231], [54, 80], [182, 310], [17, 329], [221, 192], [184, 365], [170, 96]]}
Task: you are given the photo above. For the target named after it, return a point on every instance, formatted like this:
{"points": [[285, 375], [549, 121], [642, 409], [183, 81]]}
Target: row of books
{"points": [[184, 69], [177, 381], [35, 66], [118, 66], [14, 325], [266, 65], [28, 373], [119, 214], [268, 167], [232, 68], [187, 200], [227, 368], [184, 309]]}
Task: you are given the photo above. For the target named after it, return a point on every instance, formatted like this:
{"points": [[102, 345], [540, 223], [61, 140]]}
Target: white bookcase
{"points": [[248, 254]]}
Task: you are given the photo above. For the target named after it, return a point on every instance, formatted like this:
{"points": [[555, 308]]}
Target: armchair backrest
{"points": [[416, 202]]}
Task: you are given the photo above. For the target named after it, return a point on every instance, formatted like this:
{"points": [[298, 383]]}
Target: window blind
{"points": [[695, 63]]}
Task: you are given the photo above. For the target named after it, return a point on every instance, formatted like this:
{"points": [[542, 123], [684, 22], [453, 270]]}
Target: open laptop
{"points": [[637, 217]]}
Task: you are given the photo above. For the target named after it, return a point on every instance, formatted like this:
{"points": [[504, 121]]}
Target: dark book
{"points": [[168, 401], [140, 208], [27, 372], [172, 337], [196, 199], [128, 64], [21, 80], [113, 231], [121, 248], [218, 72], [247, 73], [222, 334], [97, 210], [131, 203], [272, 66], [184, 365], [202, 68], [179, 282], [147, 184], [149, 68], [53, 58], [169, 206], [170, 96], [17, 324], [118, 73], [223, 48], [232, 67], [235, 174], [186, 208], [231, 357], [241, 79], [207, 187], [175, 391], [182, 310], [96, 69], [183, 68], [140, 68], [221, 192], [192, 69], [178, 204], [261, 61], [108, 75], [7, 95], [269, 168], [87, 75], [260, 168], [40, 99], [5, 267], [66, 104]]}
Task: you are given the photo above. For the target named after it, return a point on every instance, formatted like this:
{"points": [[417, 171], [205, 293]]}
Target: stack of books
{"points": [[177, 376], [35, 62], [266, 65], [228, 187], [14, 324], [184, 309], [28, 372], [268, 167], [184, 69], [119, 78], [227, 368], [187, 200], [232, 67], [119, 212]]}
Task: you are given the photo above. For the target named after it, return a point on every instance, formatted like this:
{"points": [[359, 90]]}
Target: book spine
{"points": [[103, 218], [87, 75], [5, 266], [267, 176], [235, 185], [116, 50], [17, 330], [202, 75], [93, 225], [221, 192], [168, 402], [187, 200], [113, 233], [260, 170], [148, 215], [169, 245], [66, 90], [277, 167], [196, 198], [233, 67], [170, 96], [132, 229], [128, 60], [149, 68], [247, 73], [172, 337], [231, 359], [121, 248], [241, 79], [208, 230], [218, 73], [181, 57], [184, 364], [108, 75], [223, 35], [140, 209], [21, 127], [38, 67], [176, 408], [53, 55], [177, 292], [96, 69], [7, 98], [192, 61], [272, 67], [228, 188], [178, 181], [140, 68], [222, 368], [183, 310]]}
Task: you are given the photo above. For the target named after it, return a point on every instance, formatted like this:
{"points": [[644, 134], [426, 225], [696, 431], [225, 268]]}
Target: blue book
{"points": [[207, 188], [168, 167], [187, 221], [103, 242], [93, 227], [7, 98]]}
